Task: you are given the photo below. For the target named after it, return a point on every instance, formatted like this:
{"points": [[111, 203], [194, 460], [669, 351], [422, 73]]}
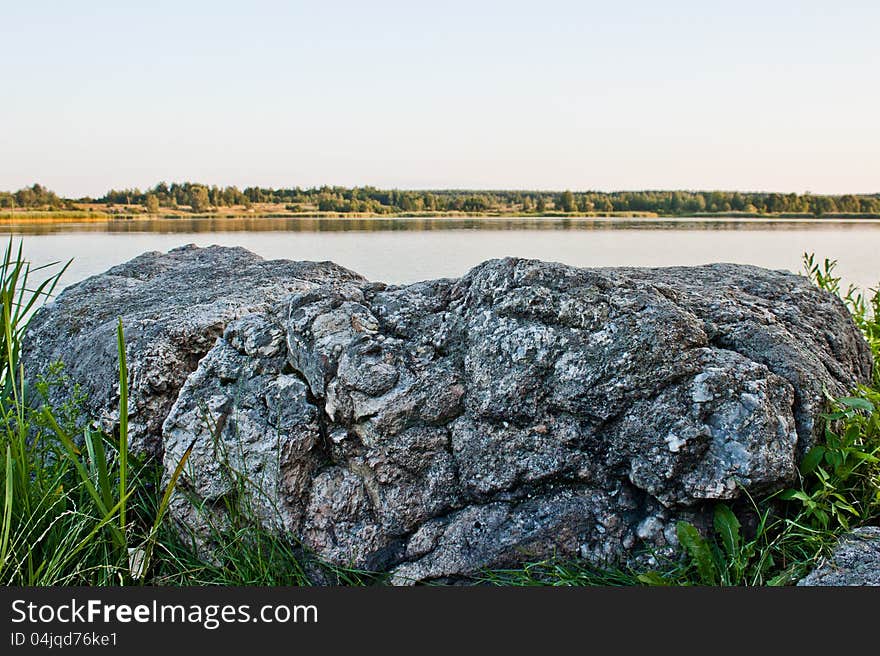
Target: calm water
{"points": [[407, 250]]}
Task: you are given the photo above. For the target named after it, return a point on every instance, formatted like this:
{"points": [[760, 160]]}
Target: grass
{"points": [[50, 216], [79, 509], [67, 487]]}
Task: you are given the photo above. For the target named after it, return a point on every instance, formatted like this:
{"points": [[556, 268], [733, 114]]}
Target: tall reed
{"points": [[67, 486]]}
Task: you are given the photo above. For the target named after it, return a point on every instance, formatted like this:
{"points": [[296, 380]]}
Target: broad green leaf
{"points": [[791, 495], [857, 403], [833, 458], [699, 551], [652, 578], [853, 433], [814, 457], [727, 526], [865, 457]]}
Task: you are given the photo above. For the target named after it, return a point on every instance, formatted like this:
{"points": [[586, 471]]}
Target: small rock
{"points": [[854, 561]]}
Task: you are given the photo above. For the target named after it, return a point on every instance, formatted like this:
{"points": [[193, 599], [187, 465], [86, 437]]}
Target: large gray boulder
{"points": [[528, 409], [855, 560]]}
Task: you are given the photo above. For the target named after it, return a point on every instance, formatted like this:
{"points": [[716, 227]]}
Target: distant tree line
{"points": [[34, 197], [396, 201], [197, 197], [200, 198]]}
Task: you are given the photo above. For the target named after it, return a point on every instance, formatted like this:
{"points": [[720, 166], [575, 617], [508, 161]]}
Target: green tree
{"points": [[199, 200], [848, 203], [566, 202], [737, 203], [605, 205], [151, 204], [540, 204]]}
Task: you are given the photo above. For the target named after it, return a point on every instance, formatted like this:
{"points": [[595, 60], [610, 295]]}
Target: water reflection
{"points": [[413, 224]]}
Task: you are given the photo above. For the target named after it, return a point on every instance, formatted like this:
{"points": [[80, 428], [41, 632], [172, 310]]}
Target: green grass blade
{"points": [[7, 509], [123, 421], [73, 454], [107, 521], [163, 506], [99, 456], [11, 355]]}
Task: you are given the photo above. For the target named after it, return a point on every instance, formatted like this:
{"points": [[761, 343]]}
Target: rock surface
{"points": [[525, 410], [854, 561], [174, 306]]}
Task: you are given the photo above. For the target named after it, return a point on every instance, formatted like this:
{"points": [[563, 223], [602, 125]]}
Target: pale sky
{"points": [[769, 95]]}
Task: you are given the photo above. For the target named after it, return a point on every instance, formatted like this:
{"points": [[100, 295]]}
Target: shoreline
{"points": [[61, 217]]}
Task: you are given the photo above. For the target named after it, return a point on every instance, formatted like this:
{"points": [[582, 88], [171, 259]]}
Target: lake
{"points": [[405, 250]]}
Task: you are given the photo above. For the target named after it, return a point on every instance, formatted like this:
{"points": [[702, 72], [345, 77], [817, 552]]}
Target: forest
{"points": [[201, 198]]}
